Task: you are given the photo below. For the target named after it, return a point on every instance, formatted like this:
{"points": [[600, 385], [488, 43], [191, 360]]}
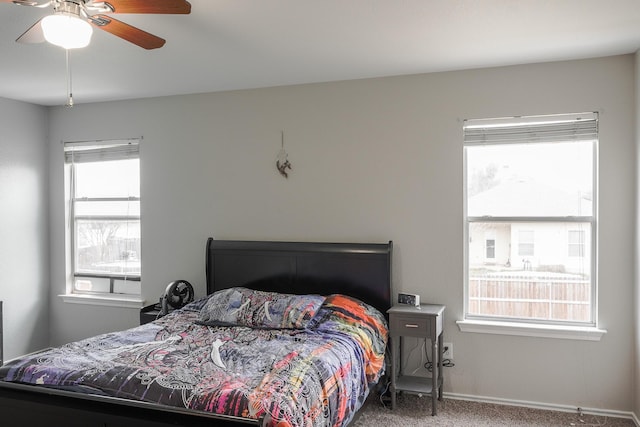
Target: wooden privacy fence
{"points": [[530, 296]]}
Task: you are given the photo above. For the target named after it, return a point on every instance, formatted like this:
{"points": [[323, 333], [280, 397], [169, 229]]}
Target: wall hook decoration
{"points": [[282, 161]]}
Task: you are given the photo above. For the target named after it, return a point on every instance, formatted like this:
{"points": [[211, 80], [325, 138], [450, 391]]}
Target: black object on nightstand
{"points": [[150, 313], [425, 321], [177, 294]]}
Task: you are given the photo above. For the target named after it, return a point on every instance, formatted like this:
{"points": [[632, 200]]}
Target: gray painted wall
{"points": [[372, 160], [24, 206], [636, 258]]}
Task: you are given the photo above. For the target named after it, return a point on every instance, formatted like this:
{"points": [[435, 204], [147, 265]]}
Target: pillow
{"points": [[258, 309]]}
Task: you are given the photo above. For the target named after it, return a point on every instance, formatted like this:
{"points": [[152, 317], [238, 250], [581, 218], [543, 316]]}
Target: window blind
{"points": [[555, 128], [99, 151]]}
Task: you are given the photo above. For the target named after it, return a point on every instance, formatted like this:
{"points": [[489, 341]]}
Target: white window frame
{"points": [[96, 151], [530, 327]]}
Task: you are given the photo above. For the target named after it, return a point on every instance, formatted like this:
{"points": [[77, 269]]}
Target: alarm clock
{"points": [[409, 299]]}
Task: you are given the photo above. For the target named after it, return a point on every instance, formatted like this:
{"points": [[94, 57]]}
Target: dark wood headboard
{"points": [[361, 270]]}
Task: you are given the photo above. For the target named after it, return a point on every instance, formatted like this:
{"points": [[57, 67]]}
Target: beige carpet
{"points": [[414, 411]]}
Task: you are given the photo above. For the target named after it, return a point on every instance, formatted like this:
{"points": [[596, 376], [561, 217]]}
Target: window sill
{"points": [[104, 300], [586, 333]]}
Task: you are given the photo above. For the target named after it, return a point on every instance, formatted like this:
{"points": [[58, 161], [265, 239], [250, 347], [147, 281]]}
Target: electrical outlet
{"points": [[447, 351]]}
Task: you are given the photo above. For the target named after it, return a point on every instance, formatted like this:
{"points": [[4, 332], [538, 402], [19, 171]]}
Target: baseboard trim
{"points": [[548, 406]]}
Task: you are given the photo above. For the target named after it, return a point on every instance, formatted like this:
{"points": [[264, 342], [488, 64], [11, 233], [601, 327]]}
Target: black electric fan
{"points": [[178, 294]]}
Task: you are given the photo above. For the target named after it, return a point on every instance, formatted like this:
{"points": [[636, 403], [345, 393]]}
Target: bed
{"points": [[318, 290]]}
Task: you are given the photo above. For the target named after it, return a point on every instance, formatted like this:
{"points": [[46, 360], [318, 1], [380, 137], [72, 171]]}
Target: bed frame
{"points": [[360, 270]]}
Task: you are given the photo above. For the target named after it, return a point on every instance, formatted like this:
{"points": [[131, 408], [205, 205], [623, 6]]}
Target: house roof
{"points": [[525, 197]]}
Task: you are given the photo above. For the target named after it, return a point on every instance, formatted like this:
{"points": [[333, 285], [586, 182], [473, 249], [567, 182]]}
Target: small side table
{"points": [[150, 313], [425, 321]]}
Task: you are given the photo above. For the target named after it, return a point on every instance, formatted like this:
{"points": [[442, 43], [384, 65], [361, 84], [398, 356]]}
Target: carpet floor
{"points": [[414, 411]]}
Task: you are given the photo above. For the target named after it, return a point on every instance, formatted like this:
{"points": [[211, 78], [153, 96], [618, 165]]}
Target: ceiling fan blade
{"points": [[33, 35], [127, 32], [146, 6]]}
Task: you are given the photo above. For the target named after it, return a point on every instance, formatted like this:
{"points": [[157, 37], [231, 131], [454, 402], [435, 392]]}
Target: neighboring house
{"points": [[518, 246]]}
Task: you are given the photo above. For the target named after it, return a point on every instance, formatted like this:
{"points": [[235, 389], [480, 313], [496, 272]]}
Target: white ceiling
{"points": [[239, 44]]}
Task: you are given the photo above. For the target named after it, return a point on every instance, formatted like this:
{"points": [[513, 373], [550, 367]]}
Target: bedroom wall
{"points": [[24, 206], [373, 160], [636, 258]]}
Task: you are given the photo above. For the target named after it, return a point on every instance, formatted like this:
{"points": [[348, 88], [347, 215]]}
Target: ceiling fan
{"points": [[71, 23]]}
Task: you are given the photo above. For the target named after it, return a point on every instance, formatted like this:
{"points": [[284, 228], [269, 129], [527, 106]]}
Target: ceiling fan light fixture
{"points": [[66, 30]]}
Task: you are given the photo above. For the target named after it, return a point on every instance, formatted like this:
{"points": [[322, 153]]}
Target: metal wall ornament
{"points": [[282, 161]]}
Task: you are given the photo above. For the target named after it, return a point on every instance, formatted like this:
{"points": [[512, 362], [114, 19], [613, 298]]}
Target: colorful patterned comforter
{"points": [[317, 376]]}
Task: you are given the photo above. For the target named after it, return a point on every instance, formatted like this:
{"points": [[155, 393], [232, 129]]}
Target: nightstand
{"points": [[426, 322], [150, 313]]}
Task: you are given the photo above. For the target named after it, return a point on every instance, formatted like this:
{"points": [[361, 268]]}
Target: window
{"points": [[104, 216], [491, 248], [490, 245], [576, 243], [525, 243], [531, 185]]}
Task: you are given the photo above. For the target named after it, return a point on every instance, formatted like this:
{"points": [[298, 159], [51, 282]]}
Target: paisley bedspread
{"points": [[316, 376]]}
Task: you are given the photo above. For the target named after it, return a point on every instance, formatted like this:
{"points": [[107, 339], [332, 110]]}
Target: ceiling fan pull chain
{"points": [[69, 91]]}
